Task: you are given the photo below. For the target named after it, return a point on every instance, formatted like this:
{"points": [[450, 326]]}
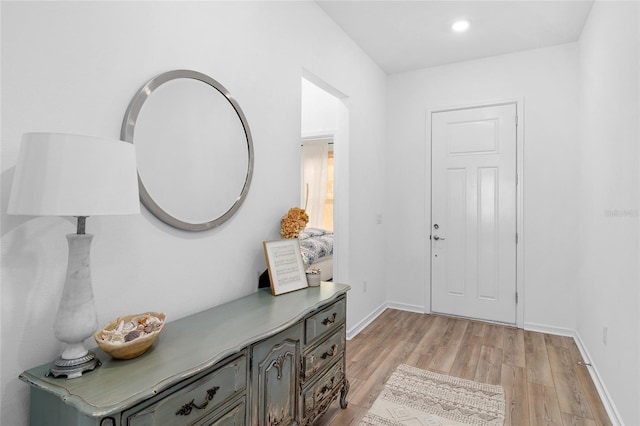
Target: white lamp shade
{"points": [[72, 175]]}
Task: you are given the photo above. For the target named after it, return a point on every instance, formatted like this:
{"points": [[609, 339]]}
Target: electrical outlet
{"points": [[604, 334], [364, 286]]}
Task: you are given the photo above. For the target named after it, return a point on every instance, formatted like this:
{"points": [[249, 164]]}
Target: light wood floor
{"points": [[543, 382]]}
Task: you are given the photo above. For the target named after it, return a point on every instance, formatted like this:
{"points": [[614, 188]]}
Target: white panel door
{"points": [[473, 229]]}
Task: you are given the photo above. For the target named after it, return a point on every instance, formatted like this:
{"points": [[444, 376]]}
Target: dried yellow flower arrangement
{"points": [[293, 222]]}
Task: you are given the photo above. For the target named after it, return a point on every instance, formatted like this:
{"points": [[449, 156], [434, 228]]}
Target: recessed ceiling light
{"points": [[461, 25]]}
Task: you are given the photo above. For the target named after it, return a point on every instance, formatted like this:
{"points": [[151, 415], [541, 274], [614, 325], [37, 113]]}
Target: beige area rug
{"points": [[415, 397]]}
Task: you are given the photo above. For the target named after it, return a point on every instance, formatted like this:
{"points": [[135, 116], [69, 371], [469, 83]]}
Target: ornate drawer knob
{"points": [[330, 320], [334, 351]]}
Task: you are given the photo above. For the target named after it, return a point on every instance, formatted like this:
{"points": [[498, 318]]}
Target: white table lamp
{"points": [[72, 175]]}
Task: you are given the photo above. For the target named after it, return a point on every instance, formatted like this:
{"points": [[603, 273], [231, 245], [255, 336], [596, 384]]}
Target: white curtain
{"points": [[314, 181]]}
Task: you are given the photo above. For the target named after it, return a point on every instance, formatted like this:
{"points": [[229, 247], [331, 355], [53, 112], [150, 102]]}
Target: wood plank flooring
{"points": [[543, 382]]}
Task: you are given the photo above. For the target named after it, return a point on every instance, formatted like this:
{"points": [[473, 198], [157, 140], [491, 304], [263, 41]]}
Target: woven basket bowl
{"points": [[133, 348]]}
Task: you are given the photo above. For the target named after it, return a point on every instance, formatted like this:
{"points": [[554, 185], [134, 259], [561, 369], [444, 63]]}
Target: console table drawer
{"points": [[324, 354], [317, 397], [197, 399], [324, 321], [235, 416]]}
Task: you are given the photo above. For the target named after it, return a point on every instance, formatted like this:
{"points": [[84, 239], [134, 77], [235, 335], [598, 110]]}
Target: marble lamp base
{"points": [[72, 368], [76, 319]]}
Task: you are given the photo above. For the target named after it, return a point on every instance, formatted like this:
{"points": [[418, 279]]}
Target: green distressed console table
{"points": [[259, 360]]}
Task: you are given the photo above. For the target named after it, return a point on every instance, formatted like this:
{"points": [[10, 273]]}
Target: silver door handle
{"points": [[436, 237]]}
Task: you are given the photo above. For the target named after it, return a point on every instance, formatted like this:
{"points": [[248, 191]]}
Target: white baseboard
{"points": [[609, 406], [543, 328], [406, 307], [353, 331]]}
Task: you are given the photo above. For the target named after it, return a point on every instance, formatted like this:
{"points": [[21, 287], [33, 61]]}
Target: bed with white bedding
{"points": [[316, 246]]}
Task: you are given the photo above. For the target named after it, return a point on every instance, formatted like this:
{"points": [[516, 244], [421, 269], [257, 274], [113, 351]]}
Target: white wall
{"points": [[608, 292], [319, 110], [547, 79], [74, 66]]}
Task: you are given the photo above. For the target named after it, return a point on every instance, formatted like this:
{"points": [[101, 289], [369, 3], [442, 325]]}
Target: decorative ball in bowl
{"points": [[130, 336]]}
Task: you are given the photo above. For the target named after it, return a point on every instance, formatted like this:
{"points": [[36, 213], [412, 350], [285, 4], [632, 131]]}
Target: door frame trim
{"points": [[520, 246], [341, 175]]}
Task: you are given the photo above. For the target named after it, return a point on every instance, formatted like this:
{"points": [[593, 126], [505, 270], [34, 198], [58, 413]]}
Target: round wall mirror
{"points": [[194, 149]]}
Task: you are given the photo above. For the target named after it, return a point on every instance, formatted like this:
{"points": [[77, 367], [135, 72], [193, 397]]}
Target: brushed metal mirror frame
{"points": [[127, 134]]}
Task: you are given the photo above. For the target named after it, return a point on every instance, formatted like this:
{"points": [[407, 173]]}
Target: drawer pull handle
{"points": [[186, 409], [330, 320], [325, 390], [334, 351]]}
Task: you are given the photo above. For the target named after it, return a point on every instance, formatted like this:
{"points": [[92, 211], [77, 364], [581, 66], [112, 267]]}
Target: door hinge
{"points": [[516, 238], [516, 117], [516, 297]]}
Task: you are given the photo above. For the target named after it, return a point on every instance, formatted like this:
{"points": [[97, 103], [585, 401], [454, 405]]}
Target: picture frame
{"points": [[284, 263]]}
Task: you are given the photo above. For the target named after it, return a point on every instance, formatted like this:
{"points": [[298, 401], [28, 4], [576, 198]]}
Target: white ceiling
{"points": [[404, 35]]}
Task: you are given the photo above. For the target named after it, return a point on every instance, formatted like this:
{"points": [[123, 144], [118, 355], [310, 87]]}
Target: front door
{"points": [[473, 202]]}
